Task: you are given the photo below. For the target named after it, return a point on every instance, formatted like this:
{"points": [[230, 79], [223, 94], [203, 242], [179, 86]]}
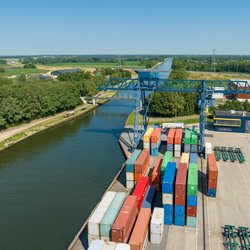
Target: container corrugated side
{"points": [[157, 221], [147, 135], [192, 183], [130, 162], [185, 158]]}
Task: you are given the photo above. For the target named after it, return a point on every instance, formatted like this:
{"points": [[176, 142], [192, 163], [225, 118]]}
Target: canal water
{"points": [[50, 182]]}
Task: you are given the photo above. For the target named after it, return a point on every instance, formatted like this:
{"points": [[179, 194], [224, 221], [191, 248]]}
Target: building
{"points": [[241, 85], [65, 71], [232, 121]]}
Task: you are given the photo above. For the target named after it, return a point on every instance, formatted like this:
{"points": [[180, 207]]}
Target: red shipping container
{"points": [[142, 162], [212, 183], [212, 169], [178, 136], [140, 230], [181, 179], [157, 171], [180, 200], [156, 136], [191, 211], [170, 137], [140, 189], [125, 220]]}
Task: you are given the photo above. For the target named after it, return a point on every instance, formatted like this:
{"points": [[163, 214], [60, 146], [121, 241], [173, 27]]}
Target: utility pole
{"points": [[213, 68]]}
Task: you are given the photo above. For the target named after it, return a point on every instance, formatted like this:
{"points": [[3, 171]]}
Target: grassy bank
{"points": [[21, 71], [54, 121], [200, 75]]}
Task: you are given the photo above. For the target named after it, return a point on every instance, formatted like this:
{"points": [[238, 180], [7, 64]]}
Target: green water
{"points": [[50, 182]]}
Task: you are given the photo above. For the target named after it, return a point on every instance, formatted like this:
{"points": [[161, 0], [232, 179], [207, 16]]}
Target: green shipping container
{"points": [[168, 157], [187, 139], [192, 183], [194, 138], [111, 214]]}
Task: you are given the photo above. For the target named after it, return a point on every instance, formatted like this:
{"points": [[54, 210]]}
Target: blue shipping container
{"points": [[149, 197], [168, 209], [194, 148], [154, 152], [168, 219], [130, 162], [170, 147], [179, 210], [211, 192], [192, 200], [169, 178], [187, 148], [194, 158], [179, 220], [191, 221]]}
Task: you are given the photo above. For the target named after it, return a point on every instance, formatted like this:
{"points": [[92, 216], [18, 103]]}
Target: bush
{"points": [[2, 70], [29, 66]]}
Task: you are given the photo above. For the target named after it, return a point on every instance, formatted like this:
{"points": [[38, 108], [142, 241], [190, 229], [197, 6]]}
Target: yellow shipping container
{"points": [[185, 158], [147, 135]]}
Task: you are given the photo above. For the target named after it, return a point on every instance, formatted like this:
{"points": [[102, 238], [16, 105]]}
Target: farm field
{"points": [[20, 71], [199, 75]]}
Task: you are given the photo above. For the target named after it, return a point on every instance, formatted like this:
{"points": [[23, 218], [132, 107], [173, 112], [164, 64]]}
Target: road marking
{"points": [[244, 179]]}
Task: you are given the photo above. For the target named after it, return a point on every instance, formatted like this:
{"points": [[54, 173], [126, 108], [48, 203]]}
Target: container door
{"points": [[248, 126]]}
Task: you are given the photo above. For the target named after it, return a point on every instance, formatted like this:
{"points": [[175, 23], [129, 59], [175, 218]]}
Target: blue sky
{"points": [[124, 27]]}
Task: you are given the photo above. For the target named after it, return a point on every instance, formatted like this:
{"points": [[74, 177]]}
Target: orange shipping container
{"points": [[140, 231], [212, 168], [178, 136], [171, 134], [142, 164], [157, 171], [156, 136]]}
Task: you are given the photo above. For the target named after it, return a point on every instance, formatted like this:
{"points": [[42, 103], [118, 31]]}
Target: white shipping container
{"points": [[129, 176], [109, 246], [177, 147], [96, 245], [92, 237], [157, 221], [129, 184], [173, 125], [122, 246], [146, 145], [105, 238], [177, 153], [96, 217], [167, 198], [156, 238]]}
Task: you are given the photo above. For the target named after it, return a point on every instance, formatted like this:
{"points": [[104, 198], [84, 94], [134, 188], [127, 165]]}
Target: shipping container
{"points": [[191, 221], [194, 158], [111, 214], [147, 135], [212, 183], [130, 162], [170, 137], [177, 154], [168, 219], [212, 168], [125, 220], [140, 230], [180, 200], [156, 135], [142, 164], [168, 209], [169, 178], [129, 184], [194, 138], [149, 197], [156, 238], [96, 245], [170, 147], [109, 245], [187, 148], [140, 189], [96, 217], [157, 171], [187, 139], [177, 147], [194, 148], [122, 246], [157, 221], [181, 179], [191, 211], [178, 136], [167, 198], [211, 192], [192, 200], [167, 158], [179, 220], [192, 182], [208, 148], [179, 210], [185, 158]]}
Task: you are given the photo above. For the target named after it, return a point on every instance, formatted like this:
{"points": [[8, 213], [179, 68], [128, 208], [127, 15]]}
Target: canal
{"points": [[50, 182]]}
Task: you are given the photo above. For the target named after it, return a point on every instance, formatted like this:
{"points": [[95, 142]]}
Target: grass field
{"points": [[193, 75], [10, 71], [3, 65]]}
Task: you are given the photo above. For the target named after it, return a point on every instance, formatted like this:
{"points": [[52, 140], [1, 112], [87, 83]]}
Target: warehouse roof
{"points": [[65, 71], [232, 113]]}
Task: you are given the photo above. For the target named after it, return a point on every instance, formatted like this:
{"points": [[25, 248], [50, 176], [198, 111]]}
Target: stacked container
{"points": [[155, 141], [149, 197], [125, 220], [139, 237], [170, 139], [180, 195], [98, 214], [146, 138], [168, 192], [167, 158], [157, 225], [141, 165], [187, 141], [212, 175], [130, 172], [194, 158], [122, 246], [208, 149], [156, 174], [177, 143], [141, 189], [192, 194], [185, 158], [110, 216], [194, 142]]}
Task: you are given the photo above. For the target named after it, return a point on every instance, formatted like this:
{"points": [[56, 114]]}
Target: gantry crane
{"points": [[150, 84]]}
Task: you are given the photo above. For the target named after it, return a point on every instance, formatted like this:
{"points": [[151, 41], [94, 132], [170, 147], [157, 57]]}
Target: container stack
{"points": [[130, 172], [187, 141], [157, 225], [98, 214], [177, 143], [146, 138], [141, 189], [168, 192], [208, 149], [212, 175], [141, 165], [194, 142], [194, 158], [108, 245], [185, 158], [170, 139], [155, 141], [149, 197], [180, 195], [139, 237], [110, 216], [125, 220], [167, 158], [192, 194], [156, 174]]}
